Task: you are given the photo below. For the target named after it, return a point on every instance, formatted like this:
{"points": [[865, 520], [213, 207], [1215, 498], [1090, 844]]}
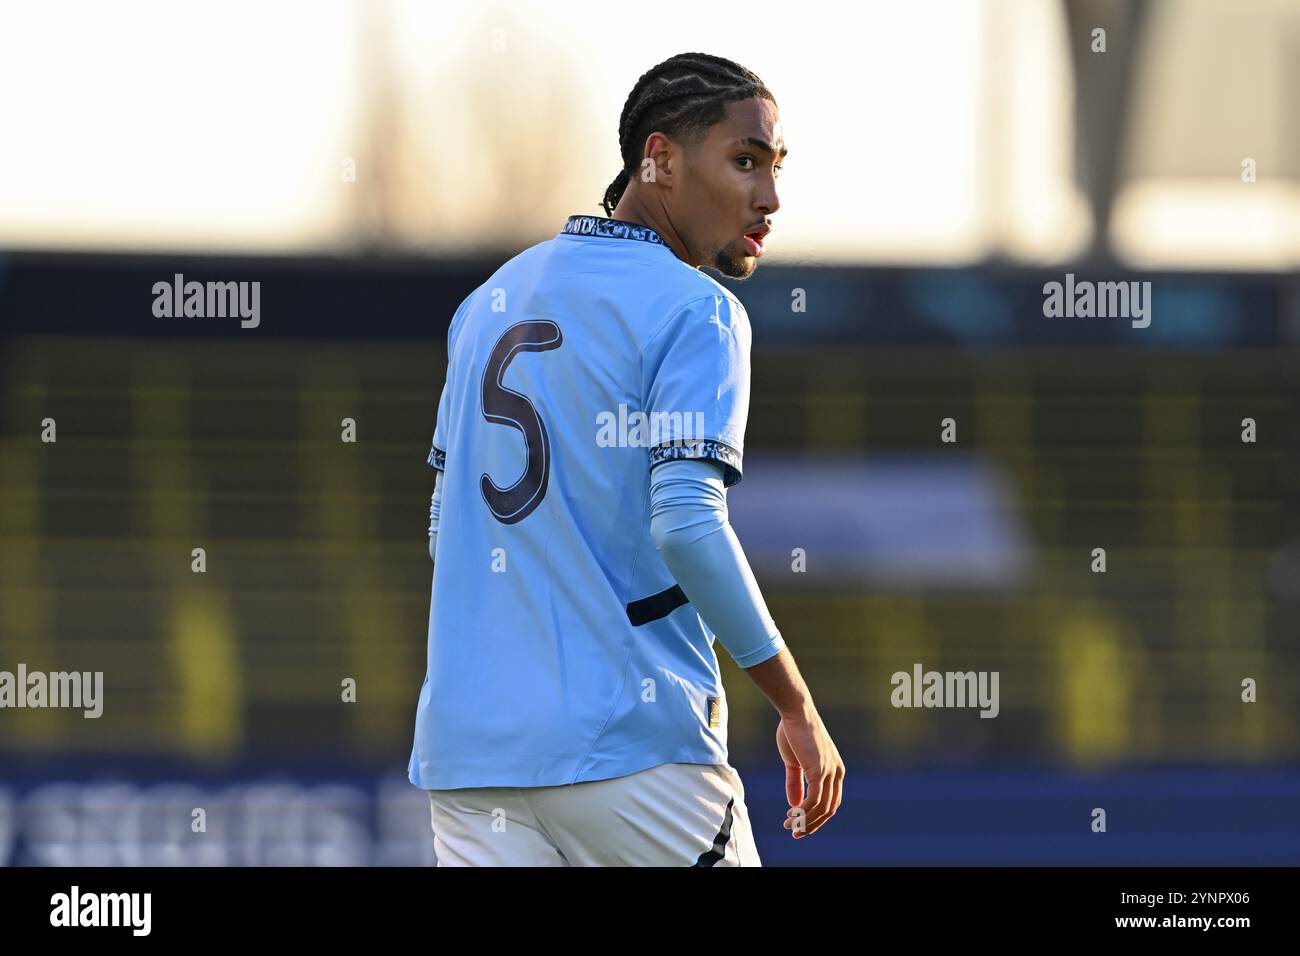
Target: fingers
{"points": [[793, 794], [793, 786], [814, 800], [816, 804], [814, 776], [825, 794]]}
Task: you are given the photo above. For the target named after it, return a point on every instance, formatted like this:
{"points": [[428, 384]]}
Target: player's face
{"points": [[729, 195]]}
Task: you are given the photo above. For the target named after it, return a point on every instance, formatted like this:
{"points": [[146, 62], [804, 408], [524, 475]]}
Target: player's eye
{"points": [[749, 159], [777, 167]]}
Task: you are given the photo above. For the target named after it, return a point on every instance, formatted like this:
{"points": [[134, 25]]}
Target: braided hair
{"points": [[682, 96]]}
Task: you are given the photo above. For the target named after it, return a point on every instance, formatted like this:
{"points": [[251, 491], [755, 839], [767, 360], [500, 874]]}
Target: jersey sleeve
{"points": [[696, 370]]}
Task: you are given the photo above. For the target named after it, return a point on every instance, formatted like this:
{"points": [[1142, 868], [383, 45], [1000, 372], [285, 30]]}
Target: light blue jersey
{"points": [[560, 647]]}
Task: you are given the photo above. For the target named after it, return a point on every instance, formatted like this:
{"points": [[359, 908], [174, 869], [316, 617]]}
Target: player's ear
{"points": [[658, 164]]}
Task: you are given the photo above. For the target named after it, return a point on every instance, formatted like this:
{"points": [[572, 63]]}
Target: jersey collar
{"points": [[610, 229]]}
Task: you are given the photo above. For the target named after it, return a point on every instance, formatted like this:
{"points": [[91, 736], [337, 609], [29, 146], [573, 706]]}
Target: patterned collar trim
{"points": [[610, 229]]}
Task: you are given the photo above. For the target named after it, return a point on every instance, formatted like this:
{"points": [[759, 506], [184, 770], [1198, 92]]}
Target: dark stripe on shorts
{"points": [[719, 851], [656, 606]]}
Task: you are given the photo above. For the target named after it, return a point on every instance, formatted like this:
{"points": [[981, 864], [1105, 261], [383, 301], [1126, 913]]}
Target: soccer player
{"points": [[593, 415]]}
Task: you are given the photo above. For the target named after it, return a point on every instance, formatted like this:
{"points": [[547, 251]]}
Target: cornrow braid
{"points": [[682, 96]]}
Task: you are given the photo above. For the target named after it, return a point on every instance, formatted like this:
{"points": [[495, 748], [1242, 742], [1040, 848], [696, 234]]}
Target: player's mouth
{"points": [[754, 240]]}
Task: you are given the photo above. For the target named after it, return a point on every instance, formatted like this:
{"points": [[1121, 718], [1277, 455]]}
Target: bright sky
{"points": [[925, 131]]}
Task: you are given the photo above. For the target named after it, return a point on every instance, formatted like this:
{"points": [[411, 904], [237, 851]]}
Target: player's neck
{"points": [[631, 209]]}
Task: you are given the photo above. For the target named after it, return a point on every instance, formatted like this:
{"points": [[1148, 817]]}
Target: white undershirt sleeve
{"points": [[435, 509]]}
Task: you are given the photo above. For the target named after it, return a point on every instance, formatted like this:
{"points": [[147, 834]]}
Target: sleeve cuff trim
{"points": [[706, 449]]}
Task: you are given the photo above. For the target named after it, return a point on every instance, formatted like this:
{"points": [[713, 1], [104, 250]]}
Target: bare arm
{"points": [[779, 679], [806, 748]]}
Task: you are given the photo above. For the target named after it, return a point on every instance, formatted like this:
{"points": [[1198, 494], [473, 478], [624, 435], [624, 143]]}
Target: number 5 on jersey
{"points": [[505, 406]]}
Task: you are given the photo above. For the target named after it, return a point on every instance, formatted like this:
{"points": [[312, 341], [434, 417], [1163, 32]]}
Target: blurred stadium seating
{"points": [[317, 569]]}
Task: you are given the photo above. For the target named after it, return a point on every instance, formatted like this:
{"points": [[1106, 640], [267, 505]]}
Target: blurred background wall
{"points": [[370, 164]]}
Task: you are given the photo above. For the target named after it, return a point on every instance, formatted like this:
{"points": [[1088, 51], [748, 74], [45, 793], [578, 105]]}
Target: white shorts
{"points": [[676, 814]]}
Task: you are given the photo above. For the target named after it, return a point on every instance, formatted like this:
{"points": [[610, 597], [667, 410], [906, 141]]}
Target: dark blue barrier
{"points": [[144, 813], [414, 299]]}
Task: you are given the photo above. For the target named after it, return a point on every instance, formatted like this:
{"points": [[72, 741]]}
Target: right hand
{"points": [[809, 755]]}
